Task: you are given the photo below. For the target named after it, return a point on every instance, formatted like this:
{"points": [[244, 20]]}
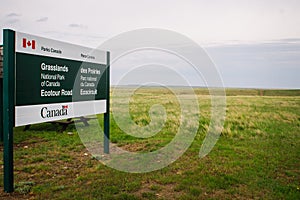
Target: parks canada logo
{"points": [[50, 113]]}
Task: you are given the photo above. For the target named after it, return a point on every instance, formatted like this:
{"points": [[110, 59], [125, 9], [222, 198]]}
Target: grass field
{"points": [[256, 157]]}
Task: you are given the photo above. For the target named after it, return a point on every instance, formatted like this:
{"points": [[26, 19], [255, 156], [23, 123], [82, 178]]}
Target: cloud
{"points": [[43, 19], [12, 21], [289, 40], [13, 15], [12, 18], [78, 26], [236, 43], [266, 64]]}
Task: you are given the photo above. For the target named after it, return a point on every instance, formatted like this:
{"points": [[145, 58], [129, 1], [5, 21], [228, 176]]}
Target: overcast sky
{"points": [[254, 43]]}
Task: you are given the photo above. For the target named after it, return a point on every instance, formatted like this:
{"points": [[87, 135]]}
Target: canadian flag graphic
{"points": [[28, 43]]}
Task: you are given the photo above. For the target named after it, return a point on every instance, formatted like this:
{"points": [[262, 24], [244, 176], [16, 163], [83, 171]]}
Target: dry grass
{"points": [[256, 157]]}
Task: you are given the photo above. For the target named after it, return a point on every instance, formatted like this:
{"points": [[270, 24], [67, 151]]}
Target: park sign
{"points": [[46, 71], [47, 80]]}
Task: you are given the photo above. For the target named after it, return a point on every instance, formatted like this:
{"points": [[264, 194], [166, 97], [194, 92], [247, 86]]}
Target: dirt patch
{"points": [[14, 195], [161, 191]]}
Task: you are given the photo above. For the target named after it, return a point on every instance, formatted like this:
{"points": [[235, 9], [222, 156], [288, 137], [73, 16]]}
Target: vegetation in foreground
{"points": [[256, 157]]}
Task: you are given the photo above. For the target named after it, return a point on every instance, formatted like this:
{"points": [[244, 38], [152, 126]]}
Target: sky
{"points": [[253, 43]]}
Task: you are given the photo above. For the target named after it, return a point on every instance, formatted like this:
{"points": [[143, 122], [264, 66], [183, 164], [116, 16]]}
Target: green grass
{"points": [[256, 157]]}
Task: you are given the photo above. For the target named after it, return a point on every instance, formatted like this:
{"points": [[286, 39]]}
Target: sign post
{"points": [[46, 80], [1, 109], [1, 93], [106, 114], [8, 107]]}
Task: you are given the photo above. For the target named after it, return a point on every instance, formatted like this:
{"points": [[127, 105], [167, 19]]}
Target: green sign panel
{"points": [[42, 80]]}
